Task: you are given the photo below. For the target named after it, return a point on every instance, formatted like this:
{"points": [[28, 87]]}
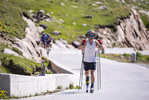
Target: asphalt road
{"points": [[120, 81]]}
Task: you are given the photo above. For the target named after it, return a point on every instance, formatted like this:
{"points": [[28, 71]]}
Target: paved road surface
{"points": [[120, 81]]}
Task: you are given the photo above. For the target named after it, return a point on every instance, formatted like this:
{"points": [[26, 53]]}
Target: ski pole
{"points": [[99, 66], [81, 73], [100, 42]]}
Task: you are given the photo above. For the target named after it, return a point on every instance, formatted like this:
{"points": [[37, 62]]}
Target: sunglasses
{"points": [[92, 35]]}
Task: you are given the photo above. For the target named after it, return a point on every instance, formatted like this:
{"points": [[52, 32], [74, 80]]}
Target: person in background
{"points": [[43, 40], [49, 42]]}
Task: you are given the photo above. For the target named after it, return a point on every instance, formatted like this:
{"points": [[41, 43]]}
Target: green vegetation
{"points": [[143, 58], [17, 50], [59, 87], [12, 24], [11, 21], [78, 87], [145, 20], [4, 69], [3, 46], [71, 86], [18, 65], [127, 57]]}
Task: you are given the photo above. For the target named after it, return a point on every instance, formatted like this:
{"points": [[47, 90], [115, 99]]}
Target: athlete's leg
{"points": [[92, 76], [87, 79], [86, 68], [92, 70]]}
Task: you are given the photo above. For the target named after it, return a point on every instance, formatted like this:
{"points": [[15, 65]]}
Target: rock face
{"points": [[28, 45], [8, 51], [130, 33]]}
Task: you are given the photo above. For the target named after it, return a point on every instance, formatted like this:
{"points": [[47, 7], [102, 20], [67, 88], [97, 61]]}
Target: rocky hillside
{"points": [[118, 23], [131, 32]]}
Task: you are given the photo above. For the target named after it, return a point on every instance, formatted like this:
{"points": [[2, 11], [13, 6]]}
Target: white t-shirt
{"points": [[89, 52]]}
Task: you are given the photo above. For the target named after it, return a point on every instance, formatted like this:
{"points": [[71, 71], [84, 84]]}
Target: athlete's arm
{"points": [[99, 45], [81, 47]]}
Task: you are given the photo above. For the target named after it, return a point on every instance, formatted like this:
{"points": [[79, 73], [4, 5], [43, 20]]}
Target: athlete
{"points": [[48, 41], [88, 48], [43, 39]]}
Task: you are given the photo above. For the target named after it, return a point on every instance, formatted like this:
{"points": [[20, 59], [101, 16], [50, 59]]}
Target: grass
{"points": [[145, 20], [4, 69], [11, 21], [13, 24], [18, 65], [127, 58], [3, 46]]}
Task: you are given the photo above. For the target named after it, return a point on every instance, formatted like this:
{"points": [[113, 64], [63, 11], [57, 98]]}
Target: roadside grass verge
{"points": [[143, 59]]}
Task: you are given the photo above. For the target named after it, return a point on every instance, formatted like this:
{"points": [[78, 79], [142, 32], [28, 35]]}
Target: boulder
{"points": [[98, 3], [40, 29], [43, 25], [64, 42], [40, 15], [28, 45], [70, 46], [60, 44], [47, 15], [102, 7], [123, 1], [41, 11], [93, 4], [55, 46], [145, 12], [48, 20], [76, 44], [147, 3], [62, 4], [61, 21], [8, 51], [30, 11], [84, 25], [74, 6], [56, 33], [88, 16], [74, 23]]}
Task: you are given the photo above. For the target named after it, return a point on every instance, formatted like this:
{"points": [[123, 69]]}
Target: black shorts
{"points": [[89, 66]]}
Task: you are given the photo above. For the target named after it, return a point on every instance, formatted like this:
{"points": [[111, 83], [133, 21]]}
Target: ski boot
{"points": [[87, 89], [91, 90]]}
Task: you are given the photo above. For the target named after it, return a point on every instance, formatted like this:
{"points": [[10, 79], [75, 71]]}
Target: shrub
{"points": [[139, 56], [126, 55], [147, 59], [71, 86], [78, 87], [59, 87]]}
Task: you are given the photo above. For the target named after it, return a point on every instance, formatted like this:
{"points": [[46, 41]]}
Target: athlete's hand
{"points": [[99, 41], [83, 42]]}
